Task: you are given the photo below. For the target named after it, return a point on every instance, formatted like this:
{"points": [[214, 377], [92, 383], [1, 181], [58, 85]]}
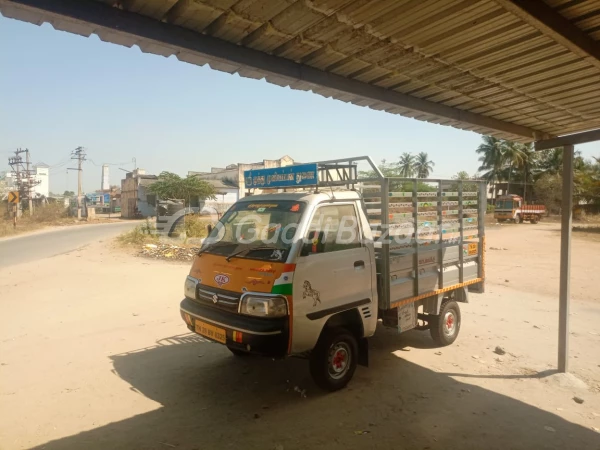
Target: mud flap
{"points": [[363, 352]]}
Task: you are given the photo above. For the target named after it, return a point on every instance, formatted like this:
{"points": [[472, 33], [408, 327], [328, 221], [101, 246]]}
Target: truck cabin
{"points": [[508, 203]]}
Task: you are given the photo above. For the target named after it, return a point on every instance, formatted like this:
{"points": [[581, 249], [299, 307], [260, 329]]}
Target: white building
{"points": [[42, 174], [233, 174], [105, 183], [229, 181]]}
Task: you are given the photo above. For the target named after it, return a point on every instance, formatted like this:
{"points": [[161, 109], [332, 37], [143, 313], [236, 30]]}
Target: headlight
{"points": [[189, 288], [263, 306]]}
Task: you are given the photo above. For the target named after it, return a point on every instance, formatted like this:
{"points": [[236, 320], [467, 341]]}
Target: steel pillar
{"points": [[565, 259]]}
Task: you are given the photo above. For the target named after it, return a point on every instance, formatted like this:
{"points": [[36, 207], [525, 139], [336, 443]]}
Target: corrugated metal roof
{"points": [[471, 55]]}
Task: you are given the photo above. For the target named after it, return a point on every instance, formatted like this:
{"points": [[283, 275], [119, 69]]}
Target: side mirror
{"points": [[313, 243]]}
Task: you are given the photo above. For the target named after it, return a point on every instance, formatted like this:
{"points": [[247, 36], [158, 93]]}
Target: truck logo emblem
{"points": [[215, 298], [221, 279]]}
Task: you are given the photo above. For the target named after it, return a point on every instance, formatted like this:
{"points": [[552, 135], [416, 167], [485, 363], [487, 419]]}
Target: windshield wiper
{"points": [[251, 249], [213, 245]]}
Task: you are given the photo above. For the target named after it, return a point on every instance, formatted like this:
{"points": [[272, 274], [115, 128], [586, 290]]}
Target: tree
{"points": [[462, 175], [550, 161], [406, 165], [512, 155], [422, 165], [68, 194], [548, 191], [529, 165], [387, 169], [490, 151], [171, 186]]}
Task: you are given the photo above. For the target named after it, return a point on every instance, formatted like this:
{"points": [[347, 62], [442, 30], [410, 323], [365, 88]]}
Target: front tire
{"points": [[445, 327], [518, 219], [334, 359]]}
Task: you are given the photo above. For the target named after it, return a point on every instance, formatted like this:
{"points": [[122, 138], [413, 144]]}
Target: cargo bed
{"points": [[429, 236]]}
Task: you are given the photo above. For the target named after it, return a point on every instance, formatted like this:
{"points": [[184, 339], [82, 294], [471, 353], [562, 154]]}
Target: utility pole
{"points": [[79, 155], [29, 173], [24, 176], [15, 163]]}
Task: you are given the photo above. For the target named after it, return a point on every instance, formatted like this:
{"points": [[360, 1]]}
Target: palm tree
{"points": [[406, 165], [550, 161], [513, 155], [491, 161], [531, 161], [422, 165]]}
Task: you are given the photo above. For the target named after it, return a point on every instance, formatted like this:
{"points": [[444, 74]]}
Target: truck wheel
{"points": [[238, 353], [518, 218], [334, 359], [534, 220], [445, 327]]}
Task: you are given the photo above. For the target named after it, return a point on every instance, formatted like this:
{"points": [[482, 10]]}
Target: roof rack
{"points": [[343, 172]]}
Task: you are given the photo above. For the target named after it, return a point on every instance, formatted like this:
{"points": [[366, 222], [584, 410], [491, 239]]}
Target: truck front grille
{"points": [[217, 298]]}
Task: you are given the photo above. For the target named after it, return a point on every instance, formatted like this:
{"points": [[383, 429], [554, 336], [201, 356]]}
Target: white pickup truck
{"points": [[310, 269]]}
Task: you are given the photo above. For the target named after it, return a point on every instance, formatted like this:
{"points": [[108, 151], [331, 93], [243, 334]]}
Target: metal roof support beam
{"points": [[565, 259], [131, 26], [545, 19], [571, 139]]}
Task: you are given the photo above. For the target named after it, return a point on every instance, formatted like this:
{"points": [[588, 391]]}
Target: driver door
{"points": [[333, 271]]}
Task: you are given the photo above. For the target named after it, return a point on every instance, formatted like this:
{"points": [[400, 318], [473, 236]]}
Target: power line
{"points": [[112, 164]]}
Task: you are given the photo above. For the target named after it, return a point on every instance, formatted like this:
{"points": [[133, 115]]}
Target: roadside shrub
{"points": [[490, 209], [52, 214], [140, 235], [44, 214], [195, 226]]}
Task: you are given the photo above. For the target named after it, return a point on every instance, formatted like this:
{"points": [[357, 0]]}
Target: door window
{"points": [[335, 227]]}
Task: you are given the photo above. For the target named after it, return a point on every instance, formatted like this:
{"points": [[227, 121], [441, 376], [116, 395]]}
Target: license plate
{"points": [[210, 331]]}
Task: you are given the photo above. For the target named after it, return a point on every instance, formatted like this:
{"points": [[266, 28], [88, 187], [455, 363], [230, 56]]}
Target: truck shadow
{"points": [[212, 400]]}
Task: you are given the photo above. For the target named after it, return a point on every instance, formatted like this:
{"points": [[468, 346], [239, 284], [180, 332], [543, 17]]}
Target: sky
{"points": [[61, 91]]}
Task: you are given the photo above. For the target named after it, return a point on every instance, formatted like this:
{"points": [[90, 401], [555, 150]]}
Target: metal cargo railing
{"points": [[429, 235]]}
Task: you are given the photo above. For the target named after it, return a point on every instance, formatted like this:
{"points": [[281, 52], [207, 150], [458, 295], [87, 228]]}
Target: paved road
{"points": [[38, 246]]}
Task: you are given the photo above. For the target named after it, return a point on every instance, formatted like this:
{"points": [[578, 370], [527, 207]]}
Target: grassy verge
{"points": [[48, 215], [140, 235], [193, 227]]}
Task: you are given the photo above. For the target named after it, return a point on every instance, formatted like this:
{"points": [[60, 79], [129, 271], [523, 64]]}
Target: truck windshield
{"points": [[504, 204], [256, 229]]}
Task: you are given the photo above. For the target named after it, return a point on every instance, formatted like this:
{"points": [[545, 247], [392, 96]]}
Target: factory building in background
{"points": [[42, 177], [105, 183]]}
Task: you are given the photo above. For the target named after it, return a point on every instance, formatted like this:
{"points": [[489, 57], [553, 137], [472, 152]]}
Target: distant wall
{"points": [[128, 197], [146, 202]]}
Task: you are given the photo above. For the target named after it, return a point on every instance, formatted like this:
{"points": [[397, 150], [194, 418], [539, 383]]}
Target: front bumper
{"points": [[268, 337]]}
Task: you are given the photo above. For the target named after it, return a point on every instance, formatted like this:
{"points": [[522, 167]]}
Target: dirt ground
{"points": [[94, 355]]}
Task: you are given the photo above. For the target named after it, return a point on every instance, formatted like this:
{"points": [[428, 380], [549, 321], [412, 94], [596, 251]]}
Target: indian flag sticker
{"points": [[283, 284]]}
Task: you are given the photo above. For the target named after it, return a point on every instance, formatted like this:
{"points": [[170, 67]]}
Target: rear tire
{"points": [[445, 327], [534, 220], [334, 359]]}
